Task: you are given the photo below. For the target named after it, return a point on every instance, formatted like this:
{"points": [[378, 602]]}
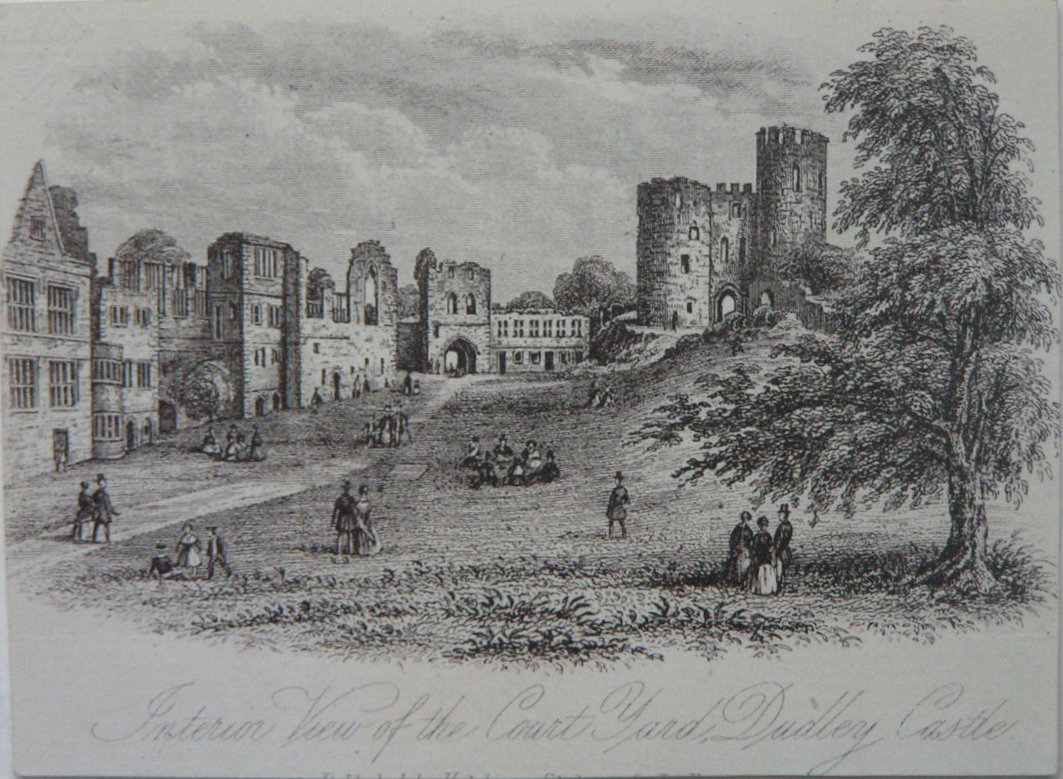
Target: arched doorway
{"points": [[459, 357], [726, 303], [130, 435], [335, 385], [148, 436], [372, 297], [260, 406], [167, 417], [276, 401]]}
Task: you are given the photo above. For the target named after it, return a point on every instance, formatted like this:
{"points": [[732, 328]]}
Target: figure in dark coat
{"points": [[258, 446], [344, 520], [161, 564], [216, 553], [407, 384], [740, 550], [783, 535], [86, 506], [618, 503], [103, 511]]}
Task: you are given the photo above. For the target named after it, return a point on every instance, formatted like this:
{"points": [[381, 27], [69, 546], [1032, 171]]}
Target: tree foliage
{"points": [[594, 283], [200, 390], [530, 300], [931, 385], [940, 149], [820, 267], [152, 245]]}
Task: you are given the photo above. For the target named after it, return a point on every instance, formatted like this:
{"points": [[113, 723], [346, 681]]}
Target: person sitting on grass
{"points": [[416, 386], [549, 472], [503, 450], [472, 456], [161, 565], [210, 445]]}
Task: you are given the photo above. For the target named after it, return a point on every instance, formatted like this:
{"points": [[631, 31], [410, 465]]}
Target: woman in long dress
{"points": [[366, 542], [258, 446], [762, 578], [188, 551]]}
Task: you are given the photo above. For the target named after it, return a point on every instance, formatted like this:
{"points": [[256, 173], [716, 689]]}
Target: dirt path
{"points": [[53, 546]]}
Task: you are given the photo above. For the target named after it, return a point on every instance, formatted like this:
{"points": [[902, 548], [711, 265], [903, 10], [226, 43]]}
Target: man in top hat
{"points": [[783, 534], [618, 503], [216, 552], [344, 519], [103, 511], [161, 564]]}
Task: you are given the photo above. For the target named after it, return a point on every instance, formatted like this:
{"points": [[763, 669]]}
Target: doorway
{"points": [[167, 417], [549, 361], [130, 436], [335, 385], [60, 445], [502, 363], [460, 357]]}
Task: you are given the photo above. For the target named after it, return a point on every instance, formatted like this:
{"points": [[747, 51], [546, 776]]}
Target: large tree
{"points": [[930, 386], [593, 284], [527, 301]]}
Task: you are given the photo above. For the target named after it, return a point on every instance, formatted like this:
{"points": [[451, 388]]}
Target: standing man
{"points": [[86, 509], [103, 511], [740, 548], [783, 534], [407, 384], [216, 552], [618, 503], [344, 520]]}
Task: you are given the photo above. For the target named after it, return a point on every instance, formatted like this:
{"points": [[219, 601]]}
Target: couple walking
{"points": [[758, 561], [354, 529]]}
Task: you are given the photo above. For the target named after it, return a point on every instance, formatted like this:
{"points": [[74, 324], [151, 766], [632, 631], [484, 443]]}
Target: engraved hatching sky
{"points": [[508, 138]]}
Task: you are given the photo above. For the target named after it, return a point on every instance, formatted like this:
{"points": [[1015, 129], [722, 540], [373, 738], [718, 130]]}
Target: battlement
{"points": [[734, 188], [786, 135]]}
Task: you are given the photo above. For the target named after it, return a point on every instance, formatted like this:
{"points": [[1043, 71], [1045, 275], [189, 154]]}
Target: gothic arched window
{"points": [[452, 303], [725, 250], [797, 178], [470, 304], [694, 233]]}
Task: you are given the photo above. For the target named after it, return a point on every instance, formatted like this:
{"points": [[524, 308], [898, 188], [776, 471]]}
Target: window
{"points": [[694, 233], [37, 228], [23, 375], [275, 357], [260, 357], [267, 263], [107, 370], [317, 348], [684, 260], [218, 319], [435, 331], [130, 274], [143, 373], [155, 275], [450, 272], [505, 327], [797, 178], [120, 316], [560, 328], [536, 358], [736, 210], [470, 303], [690, 307], [256, 314], [201, 303], [563, 356], [548, 328], [533, 328], [518, 358], [60, 310], [127, 373], [274, 316], [180, 302], [470, 274], [725, 250], [579, 356], [518, 328], [107, 427], [143, 317], [577, 328], [452, 303], [21, 305]]}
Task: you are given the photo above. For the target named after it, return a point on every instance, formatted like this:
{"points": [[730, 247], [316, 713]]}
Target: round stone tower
{"points": [[791, 187]]}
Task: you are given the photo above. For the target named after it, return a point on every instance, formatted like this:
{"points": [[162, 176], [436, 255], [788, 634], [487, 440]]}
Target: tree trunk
{"points": [[963, 562]]}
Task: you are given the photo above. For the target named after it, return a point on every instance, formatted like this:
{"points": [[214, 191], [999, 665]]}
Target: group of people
{"points": [[237, 448], [410, 385], [95, 509], [502, 466], [599, 396], [391, 429], [758, 560], [190, 554], [355, 534]]}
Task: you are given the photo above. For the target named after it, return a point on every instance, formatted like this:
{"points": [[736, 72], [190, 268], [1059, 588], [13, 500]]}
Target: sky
{"points": [[509, 134]]}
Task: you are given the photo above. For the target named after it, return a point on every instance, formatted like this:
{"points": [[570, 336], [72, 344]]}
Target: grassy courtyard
{"points": [[522, 575]]}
